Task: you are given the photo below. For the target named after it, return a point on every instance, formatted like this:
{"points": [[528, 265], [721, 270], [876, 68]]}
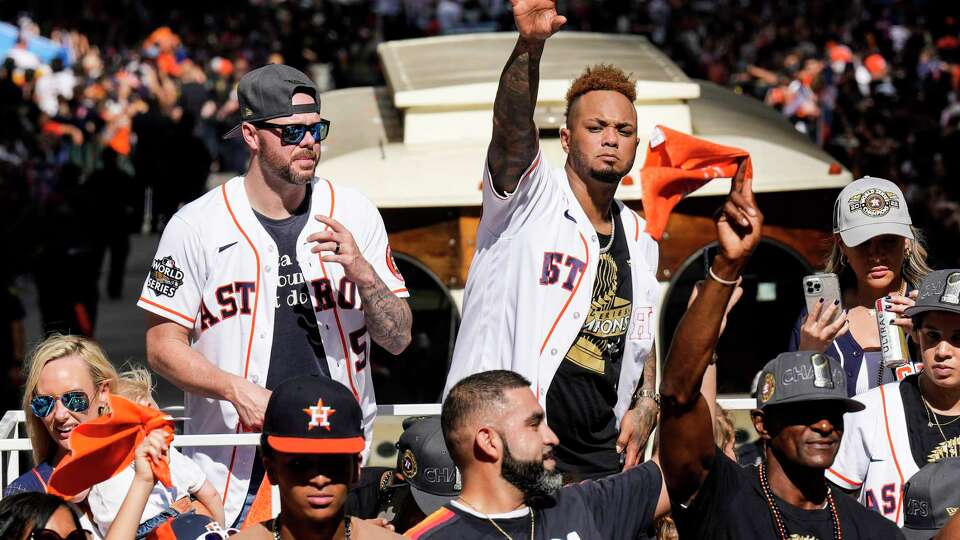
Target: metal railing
{"points": [[13, 440]]}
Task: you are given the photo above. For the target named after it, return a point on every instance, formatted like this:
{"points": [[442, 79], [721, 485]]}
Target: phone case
{"points": [[826, 286]]}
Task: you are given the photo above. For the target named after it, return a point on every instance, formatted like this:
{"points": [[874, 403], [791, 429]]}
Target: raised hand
{"points": [[739, 222], [537, 19]]}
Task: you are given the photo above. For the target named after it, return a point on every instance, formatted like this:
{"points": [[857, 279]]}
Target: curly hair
{"points": [[601, 77]]}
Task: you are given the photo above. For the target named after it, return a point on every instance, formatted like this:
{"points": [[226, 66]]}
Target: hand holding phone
{"points": [[826, 320]]}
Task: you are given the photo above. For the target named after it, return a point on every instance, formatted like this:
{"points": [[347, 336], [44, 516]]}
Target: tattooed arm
{"points": [[514, 142], [387, 315]]}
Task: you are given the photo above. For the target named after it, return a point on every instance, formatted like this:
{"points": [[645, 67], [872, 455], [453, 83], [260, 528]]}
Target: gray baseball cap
{"points": [[939, 291], [267, 92], [870, 207], [931, 498], [425, 462], [795, 377]]}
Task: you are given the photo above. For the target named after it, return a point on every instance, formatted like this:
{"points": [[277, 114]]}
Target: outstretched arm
{"points": [[515, 139], [687, 446]]}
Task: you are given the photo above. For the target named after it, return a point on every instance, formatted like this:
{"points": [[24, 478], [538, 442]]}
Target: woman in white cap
{"points": [[876, 253], [911, 423]]}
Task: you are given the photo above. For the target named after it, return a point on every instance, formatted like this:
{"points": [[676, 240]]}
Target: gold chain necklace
{"points": [[935, 420], [494, 523]]}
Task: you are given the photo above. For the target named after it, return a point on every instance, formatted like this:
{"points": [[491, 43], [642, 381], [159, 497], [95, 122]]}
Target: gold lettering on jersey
{"points": [[606, 323], [802, 537], [951, 510], [948, 448]]}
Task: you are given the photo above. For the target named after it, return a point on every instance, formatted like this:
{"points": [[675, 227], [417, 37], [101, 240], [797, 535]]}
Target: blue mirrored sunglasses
{"points": [[294, 133], [75, 401]]}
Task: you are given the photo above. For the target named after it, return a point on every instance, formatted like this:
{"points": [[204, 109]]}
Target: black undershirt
{"points": [[926, 443], [297, 347], [583, 392]]}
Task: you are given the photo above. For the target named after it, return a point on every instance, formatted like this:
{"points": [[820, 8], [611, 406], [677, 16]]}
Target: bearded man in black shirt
{"points": [[498, 437], [801, 401]]}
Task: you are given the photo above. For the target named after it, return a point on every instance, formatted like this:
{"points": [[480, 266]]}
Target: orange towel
{"points": [[103, 447], [678, 164], [262, 508]]}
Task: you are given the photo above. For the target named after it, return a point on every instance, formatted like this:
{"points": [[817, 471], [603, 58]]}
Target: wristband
{"points": [[716, 278], [651, 394]]}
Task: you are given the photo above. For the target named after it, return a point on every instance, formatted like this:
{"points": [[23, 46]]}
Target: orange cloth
{"points": [[262, 508], [678, 164], [121, 141], [103, 447]]}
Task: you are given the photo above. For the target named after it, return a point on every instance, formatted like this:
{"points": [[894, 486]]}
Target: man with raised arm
{"points": [[799, 416], [562, 288]]}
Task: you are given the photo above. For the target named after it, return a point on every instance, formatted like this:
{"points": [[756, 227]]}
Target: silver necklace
{"points": [[613, 234]]}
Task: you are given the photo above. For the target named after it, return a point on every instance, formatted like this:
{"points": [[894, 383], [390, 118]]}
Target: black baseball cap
{"points": [[267, 92], [939, 291], [795, 377], [313, 415], [424, 460], [931, 498]]}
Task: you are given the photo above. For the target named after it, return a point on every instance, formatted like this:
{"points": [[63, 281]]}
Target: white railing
{"points": [[12, 442]]}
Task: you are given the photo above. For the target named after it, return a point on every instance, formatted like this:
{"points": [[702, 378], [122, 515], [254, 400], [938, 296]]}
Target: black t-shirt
{"points": [[926, 442], [730, 505], [619, 506], [583, 392], [297, 347]]}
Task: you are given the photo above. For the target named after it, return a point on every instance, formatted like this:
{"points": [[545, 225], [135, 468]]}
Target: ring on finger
{"points": [[337, 250]]}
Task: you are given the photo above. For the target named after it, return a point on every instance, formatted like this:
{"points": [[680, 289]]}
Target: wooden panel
{"points": [[430, 235]]}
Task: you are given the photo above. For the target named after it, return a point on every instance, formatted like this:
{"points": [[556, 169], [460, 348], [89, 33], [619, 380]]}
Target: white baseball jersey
{"points": [[530, 284], [216, 273], [875, 454]]}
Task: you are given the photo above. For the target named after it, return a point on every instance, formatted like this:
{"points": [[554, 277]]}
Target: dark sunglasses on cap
{"points": [[294, 133], [76, 401], [47, 534]]}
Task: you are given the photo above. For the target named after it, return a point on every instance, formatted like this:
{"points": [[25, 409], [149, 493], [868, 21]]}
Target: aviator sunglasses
{"points": [[76, 401], [294, 133]]}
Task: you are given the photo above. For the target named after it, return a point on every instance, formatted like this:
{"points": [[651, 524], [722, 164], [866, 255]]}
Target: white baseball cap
{"points": [[870, 207]]}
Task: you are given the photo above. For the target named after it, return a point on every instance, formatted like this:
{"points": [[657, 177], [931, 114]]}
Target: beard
{"points": [[607, 174], [282, 168], [535, 482]]}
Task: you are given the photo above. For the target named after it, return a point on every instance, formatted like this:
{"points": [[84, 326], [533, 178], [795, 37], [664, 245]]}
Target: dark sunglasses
{"points": [[294, 133], [76, 401], [47, 534]]}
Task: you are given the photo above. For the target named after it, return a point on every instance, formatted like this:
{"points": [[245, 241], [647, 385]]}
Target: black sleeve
{"points": [[714, 500], [623, 505]]}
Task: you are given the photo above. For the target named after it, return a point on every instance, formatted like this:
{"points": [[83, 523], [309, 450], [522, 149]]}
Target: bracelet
{"points": [[722, 281], [651, 394]]}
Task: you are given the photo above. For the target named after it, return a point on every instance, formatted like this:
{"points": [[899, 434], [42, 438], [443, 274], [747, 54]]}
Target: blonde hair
{"points": [[136, 384], [723, 431], [53, 348], [914, 268]]}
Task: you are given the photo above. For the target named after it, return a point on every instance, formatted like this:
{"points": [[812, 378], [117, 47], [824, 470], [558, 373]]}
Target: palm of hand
{"points": [[537, 19]]}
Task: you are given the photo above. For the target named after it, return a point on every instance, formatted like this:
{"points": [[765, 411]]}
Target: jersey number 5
{"points": [[358, 344]]}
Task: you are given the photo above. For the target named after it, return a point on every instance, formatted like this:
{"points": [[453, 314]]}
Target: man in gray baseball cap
{"points": [[870, 207]]}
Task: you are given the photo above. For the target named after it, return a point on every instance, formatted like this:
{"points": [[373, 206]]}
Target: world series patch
{"points": [[874, 202], [165, 277]]}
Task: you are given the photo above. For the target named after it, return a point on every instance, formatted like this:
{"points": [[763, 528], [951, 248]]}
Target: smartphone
{"points": [[825, 286]]}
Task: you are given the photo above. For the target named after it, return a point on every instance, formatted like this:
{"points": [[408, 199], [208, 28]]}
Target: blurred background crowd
{"points": [[112, 112]]}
